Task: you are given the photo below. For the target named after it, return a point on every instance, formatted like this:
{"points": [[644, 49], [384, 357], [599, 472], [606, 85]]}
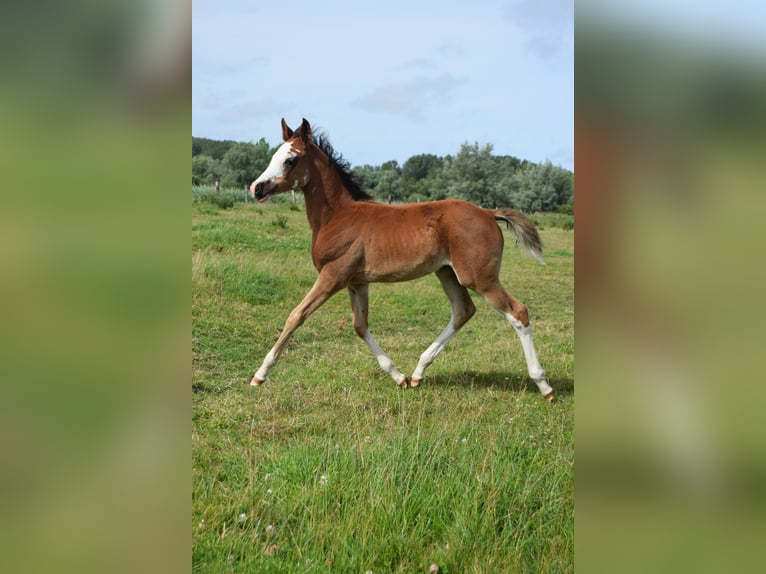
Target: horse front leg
{"points": [[359, 307], [322, 290]]}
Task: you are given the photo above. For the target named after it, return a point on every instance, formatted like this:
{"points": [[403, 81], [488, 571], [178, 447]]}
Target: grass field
{"points": [[329, 467]]}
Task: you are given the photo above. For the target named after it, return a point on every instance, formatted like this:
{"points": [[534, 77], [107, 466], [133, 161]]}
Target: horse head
{"points": [[286, 169]]}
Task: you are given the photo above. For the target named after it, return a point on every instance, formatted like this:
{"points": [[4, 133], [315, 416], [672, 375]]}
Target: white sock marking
{"points": [[534, 367], [429, 355], [268, 363], [384, 360]]}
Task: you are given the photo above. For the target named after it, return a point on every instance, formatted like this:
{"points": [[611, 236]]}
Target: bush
{"points": [[543, 219], [222, 201], [207, 194], [280, 221]]}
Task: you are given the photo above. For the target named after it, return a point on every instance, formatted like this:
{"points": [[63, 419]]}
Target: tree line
{"points": [[474, 173]]}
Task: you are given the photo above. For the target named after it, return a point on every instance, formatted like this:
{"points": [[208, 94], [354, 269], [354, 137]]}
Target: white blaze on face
{"points": [[276, 165]]}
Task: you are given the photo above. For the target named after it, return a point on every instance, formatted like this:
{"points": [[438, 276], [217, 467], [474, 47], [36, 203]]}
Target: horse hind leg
{"points": [[359, 307], [462, 310], [516, 313]]}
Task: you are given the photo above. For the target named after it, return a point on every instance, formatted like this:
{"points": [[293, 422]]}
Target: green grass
{"points": [[329, 467]]}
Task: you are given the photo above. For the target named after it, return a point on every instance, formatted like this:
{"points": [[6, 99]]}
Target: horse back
{"points": [[376, 242]]}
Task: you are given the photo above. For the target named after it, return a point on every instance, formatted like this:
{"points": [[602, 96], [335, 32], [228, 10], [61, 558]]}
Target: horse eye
{"points": [[291, 161]]}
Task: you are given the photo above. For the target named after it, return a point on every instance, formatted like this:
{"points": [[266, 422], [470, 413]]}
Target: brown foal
{"points": [[356, 241]]}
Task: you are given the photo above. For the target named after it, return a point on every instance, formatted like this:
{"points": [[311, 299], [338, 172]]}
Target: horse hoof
{"points": [[415, 382], [549, 397], [404, 384], [254, 382]]}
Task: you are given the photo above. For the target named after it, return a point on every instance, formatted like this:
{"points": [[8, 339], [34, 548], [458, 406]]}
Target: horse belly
{"points": [[401, 258]]}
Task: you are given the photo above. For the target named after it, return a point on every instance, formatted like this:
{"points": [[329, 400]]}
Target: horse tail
{"points": [[523, 228]]}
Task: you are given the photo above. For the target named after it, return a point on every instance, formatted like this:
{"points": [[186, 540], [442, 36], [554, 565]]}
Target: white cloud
{"points": [[548, 25], [410, 98], [247, 111]]}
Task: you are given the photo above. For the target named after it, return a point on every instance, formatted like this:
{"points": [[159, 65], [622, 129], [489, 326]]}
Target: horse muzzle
{"points": [[262, 189]]}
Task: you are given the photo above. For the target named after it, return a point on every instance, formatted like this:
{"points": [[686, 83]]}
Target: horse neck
{"points": [[325, 195]]}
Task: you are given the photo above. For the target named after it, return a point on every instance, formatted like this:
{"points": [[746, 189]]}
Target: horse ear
{"points": [[304, 132], [287, 133]]}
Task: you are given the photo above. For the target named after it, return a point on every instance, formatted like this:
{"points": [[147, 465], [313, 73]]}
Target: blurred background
{"points": [[669, 170], [669, 187], [94, 296]]}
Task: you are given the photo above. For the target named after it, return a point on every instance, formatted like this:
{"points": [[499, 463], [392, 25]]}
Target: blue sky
{"points": [[389, 79]]}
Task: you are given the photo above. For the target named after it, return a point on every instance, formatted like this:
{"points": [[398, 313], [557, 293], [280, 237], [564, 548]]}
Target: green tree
{"points": [[474, 174], [389, 182], [246, 161], [205, 169], [418, 174], [369, 176], [506, 165], [213, 148], [563, 181], [420, 166], [471, 176], [541, 187]]}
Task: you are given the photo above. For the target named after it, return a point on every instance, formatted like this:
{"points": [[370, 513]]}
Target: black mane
{"points": [[349, 179]]}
